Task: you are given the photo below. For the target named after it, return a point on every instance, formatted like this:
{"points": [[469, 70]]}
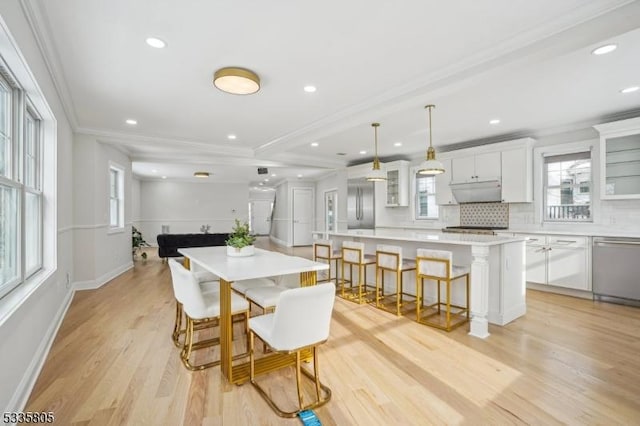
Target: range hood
{"points": [[488, 191]]}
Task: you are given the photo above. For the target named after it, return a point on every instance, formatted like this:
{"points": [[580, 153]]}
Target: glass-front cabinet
{"points": [[397, 183], [620, 159]]}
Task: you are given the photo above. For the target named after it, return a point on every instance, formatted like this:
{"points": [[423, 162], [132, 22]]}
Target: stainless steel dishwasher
{"points": [[615, 270]]}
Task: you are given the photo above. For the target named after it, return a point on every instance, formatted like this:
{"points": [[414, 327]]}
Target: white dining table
{"points": [[263, 263]]}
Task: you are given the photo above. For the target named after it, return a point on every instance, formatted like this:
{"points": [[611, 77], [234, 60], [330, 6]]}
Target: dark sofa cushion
{"points": [[168, 244]]}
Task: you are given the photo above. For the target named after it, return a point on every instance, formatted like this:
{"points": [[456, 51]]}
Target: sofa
{"points": [[168, 244]]}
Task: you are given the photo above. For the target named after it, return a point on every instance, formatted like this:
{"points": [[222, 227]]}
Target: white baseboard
{"points": [[582, 294], [22, 393], [105, 278], [279, 241]]}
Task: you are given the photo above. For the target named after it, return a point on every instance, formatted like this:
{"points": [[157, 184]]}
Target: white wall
{"points": [[337, 181], [29, 319], [186, 206], [280, 224], [135, 202], [100, 254]]}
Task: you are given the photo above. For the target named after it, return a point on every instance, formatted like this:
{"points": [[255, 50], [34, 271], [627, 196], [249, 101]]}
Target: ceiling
{"points": [[528, 64]]}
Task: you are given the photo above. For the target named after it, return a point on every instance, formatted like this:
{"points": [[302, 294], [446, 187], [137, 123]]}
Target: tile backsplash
{"points": [[484, 214]]}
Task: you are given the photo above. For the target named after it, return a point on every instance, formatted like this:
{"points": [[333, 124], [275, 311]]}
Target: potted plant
{"points": [[240, 242], [137, 241]]}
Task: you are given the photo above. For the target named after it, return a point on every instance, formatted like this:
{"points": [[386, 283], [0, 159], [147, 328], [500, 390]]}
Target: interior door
{"points": [[302, 216], [261, 216]]}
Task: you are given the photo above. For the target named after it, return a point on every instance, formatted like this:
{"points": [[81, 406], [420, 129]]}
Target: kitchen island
{"points": [[498, 287]]}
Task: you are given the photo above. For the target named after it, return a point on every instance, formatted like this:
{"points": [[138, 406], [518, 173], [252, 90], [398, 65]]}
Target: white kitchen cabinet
{"points": [[476, 168], [397, 183], [558, 260], [517, 175], [444, 196], [620, 159]]}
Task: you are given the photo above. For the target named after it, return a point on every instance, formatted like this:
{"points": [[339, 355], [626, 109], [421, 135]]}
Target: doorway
{"points": [[260, 216], [302, 216]]}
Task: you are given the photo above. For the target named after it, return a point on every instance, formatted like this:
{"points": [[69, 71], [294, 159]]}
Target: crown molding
{"points": [[531, 44], [41, 29]]}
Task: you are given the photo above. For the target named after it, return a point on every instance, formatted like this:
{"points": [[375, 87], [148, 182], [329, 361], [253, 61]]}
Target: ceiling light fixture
{"points": [[376, 174], [310, 89], [231, 137], [164, 177], [201, 174], [397, 144], [603, 50], [237, 81], [630, 89], [154, 171], [156, 42], [273, 175], [494, 121], [431, 166], [299, 176], [314, 144], [363, 152], [131, 122]]}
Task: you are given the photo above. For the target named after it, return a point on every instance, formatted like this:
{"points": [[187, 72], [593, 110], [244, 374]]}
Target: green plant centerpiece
{"points": [[240, 242], [137, 241]]}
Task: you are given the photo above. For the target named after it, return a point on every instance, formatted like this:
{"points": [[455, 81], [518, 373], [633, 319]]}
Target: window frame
{"points": [[19, 110], [576, 153], [415, 196], [119, 198]]}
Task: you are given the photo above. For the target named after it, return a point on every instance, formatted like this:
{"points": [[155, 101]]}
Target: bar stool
{"points": [[323, 250], [389, 259], [353, 255], [438, 265]]}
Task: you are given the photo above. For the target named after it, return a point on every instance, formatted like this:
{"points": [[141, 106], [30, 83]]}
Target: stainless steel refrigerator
{"points": [[360, 204]]}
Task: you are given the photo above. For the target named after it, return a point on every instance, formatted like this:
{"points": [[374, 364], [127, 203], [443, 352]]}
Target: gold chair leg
{"points": [[298, 384], [448, 305], [315, 372], [252, 365], [175, 336], [398, 292]]}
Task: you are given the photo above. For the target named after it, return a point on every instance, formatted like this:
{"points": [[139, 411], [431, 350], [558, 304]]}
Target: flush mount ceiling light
{"points": [[603, 50], [131, 122], [494, 121], [376, 174], [237, 81], [397, 144], [314, 144], [630, 89], [201, 174], [310, 89], [232, 137], [431, 166]]}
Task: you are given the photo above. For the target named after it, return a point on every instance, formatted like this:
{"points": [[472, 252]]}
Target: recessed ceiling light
{"points": [[266, 180], [314, 144], [164, 177], [154, 171], [363, 152], [231, 137], [273, 175], [603, 50], [299, 176], [156, 42], [397, 144], [630, 89], [310, 89], [131, 122], [261, 183], [494, 121], [201, 174]]}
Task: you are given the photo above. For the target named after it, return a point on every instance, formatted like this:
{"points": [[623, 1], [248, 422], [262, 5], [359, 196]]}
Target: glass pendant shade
{"points": [[430, 166], [377, 173]]}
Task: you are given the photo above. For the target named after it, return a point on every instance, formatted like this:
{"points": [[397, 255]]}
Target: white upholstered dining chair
{"points": [[301, 322]]}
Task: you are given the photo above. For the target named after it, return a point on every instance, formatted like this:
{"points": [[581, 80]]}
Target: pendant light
{"points": [[376, 174], [431, 166]]}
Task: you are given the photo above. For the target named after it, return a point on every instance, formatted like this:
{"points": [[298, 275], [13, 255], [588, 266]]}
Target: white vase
{"points": [[241, 252]]}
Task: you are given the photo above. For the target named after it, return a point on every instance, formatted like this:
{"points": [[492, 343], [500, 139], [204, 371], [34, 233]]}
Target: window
{"points": [[425, 197], [116, 197], [567, 187], [20, 188]]}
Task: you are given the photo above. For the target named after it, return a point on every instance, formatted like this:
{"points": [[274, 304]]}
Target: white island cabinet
{"points": [[497, 268]]}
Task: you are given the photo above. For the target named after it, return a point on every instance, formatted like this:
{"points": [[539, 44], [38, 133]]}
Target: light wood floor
{"points": [[567, 361]]}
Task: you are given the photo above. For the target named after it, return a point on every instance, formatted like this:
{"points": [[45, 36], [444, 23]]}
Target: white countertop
{"points": [[595, 231], [431, 236], [264, 263]]}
